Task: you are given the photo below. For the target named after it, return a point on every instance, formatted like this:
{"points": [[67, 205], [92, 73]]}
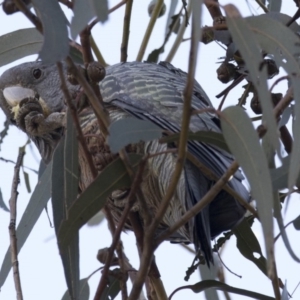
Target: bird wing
{"points": [[155, 93]]}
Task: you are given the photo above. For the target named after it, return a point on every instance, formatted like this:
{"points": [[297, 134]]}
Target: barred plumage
{"points": [[149, 92]]}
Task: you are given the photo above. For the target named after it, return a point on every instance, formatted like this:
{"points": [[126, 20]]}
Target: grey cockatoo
{"points": [[146, 91]]}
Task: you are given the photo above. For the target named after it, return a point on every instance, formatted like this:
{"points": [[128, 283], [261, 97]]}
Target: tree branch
{"points": [[12, 226]]}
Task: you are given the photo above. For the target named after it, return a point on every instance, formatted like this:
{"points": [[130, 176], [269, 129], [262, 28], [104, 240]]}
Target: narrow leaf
{"points": [[130, 131], [83, 13], [18, 44], [100, 8], [243, 142], [37, 203], [249, 48], [84, 291], [27, 182], [274, 5], [279, 40], [296, 223], [248, 244], [210, 137], [2, 203], [112, 288], [92, 200], [285, 293], [206, 284], [56, 42], [280, 175]]}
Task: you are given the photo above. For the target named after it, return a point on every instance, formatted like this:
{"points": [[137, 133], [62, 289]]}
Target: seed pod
{"points": [[272, 68], [95, 72], [151, 8], [226, 72], [255, 105], [10, 8]]}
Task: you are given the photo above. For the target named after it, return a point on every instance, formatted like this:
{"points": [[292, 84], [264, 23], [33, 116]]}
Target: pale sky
{"points": [[40, 266]]}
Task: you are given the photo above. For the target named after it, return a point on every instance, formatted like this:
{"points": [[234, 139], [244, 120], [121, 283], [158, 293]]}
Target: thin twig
{"points": [[32, 17], [12, 226], [262, 6], [97, 52], [74, 115], [13, 162], [149, 246], [131, 198], [209, 196], [126, 31], [149, 29], [180, 34], [214, 9]]}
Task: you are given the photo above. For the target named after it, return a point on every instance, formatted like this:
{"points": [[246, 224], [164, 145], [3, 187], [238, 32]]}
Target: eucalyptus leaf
{"points": [[296, 223], [274, 5], [249, 48], [283, 44], [84, 11], [27, 181], [2, 203], [285, 293], [36, 204], [112, 288], [56, 43], [84, 291], [18, 44], [64, 192], [206, 284], [244, 144], [93, 199], [248, 245], [210, 137], [130, 131]]}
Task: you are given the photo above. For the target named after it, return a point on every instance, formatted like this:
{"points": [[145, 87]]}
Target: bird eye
{"points": [[37, 73]]}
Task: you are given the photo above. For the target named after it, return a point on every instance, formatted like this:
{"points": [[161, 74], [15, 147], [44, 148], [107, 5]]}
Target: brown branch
{"points": [[93, 99], [126, 31], [12, 226], [214, 9], [149, 244], [286, 139], [31, 17], [74, 115], [130, 201]]}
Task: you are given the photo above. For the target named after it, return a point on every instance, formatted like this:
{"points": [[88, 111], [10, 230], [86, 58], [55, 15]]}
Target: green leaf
{"points": [[71, 169], [27, 182], [279, 175], [154, 55], [206, 284], [210, 137], [279, 219], [18, 44], [279, 40], [274, 5], [296, 223], [2, 203], [248, 244], [56, 43], [101, 9], [112, 288], [285, 293], [65, 186], [84, 291], [248, 46], [131, 131], [244, 144], [92, 200], [85, 11], [37, 203]]}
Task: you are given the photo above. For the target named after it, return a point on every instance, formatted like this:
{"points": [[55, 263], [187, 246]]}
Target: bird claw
{"points": [[31, 118]]}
